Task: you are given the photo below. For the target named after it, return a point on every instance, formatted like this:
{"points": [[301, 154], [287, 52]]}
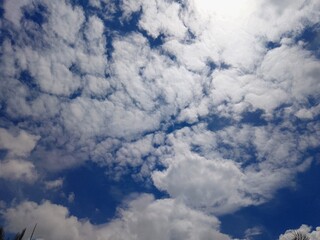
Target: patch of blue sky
{"points": [[153, 42], [1, 10], [26, 79], [175, 126], [216, 122], [5, 34], [6, 120], [97, 196], [214, 66], [76, 94], [12, 192], [117, 25], [271, 45], [3, 153], [254, 118], [36, 13], [311, 36]]}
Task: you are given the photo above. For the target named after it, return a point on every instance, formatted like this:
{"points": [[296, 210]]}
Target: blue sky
{"points": [[160, 119]]}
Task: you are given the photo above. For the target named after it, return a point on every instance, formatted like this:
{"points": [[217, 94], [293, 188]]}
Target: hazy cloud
{"points": [[54, 184]]}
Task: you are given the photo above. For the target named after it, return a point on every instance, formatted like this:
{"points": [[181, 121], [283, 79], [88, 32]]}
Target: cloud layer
{"points": [[216, 104]]}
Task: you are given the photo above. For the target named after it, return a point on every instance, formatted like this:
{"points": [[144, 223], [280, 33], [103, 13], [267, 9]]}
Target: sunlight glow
{"points": [[232, 9]]}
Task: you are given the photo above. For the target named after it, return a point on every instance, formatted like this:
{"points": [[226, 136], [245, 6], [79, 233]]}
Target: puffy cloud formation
{"points": [[199, 162], [215, 103], [18, 146], [18, 170], [143, 218], [201, 182], [17, 143], [53, 221]]}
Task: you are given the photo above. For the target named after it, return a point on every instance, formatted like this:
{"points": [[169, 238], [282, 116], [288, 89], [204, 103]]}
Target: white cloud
{"points": [[147, 218], [18, 170], [95, 3], [92, 59], [293, 64], [18, 143], [215, 185], [54, 184], [53, 221], [305, 113], [252, 232], [64, 15], [214, 171], [13, 10], [146, 87], [143, 218], [158, 17], [119, 103], [162, 17], [198, 179]]}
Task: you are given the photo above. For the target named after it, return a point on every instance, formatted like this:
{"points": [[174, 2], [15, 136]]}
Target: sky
{"points": [[160, 119]]}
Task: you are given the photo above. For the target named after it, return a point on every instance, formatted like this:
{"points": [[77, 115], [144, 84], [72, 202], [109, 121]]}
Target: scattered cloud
{"points": [[54, 184], [53, 221], [18, 170], [250, 233], [18, 143]]}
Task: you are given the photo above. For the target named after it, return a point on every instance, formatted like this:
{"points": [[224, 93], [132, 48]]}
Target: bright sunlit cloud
{"points": [[228, 9]]}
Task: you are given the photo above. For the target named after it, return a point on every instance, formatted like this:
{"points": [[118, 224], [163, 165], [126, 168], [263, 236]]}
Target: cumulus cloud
{"points": [[13, 11], [198, 162], [15, 165], [18, 143], [215, 184], [18, 170], [54, 221], [142, 218], [175, 93], [293, 64]]}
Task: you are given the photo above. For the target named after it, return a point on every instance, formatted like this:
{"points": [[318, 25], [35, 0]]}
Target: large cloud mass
{"points": [[144, 218], [216, 103]]}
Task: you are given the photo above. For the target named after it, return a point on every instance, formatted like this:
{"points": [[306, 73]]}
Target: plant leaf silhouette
{"points": [[19, 236], [297, 235]]}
